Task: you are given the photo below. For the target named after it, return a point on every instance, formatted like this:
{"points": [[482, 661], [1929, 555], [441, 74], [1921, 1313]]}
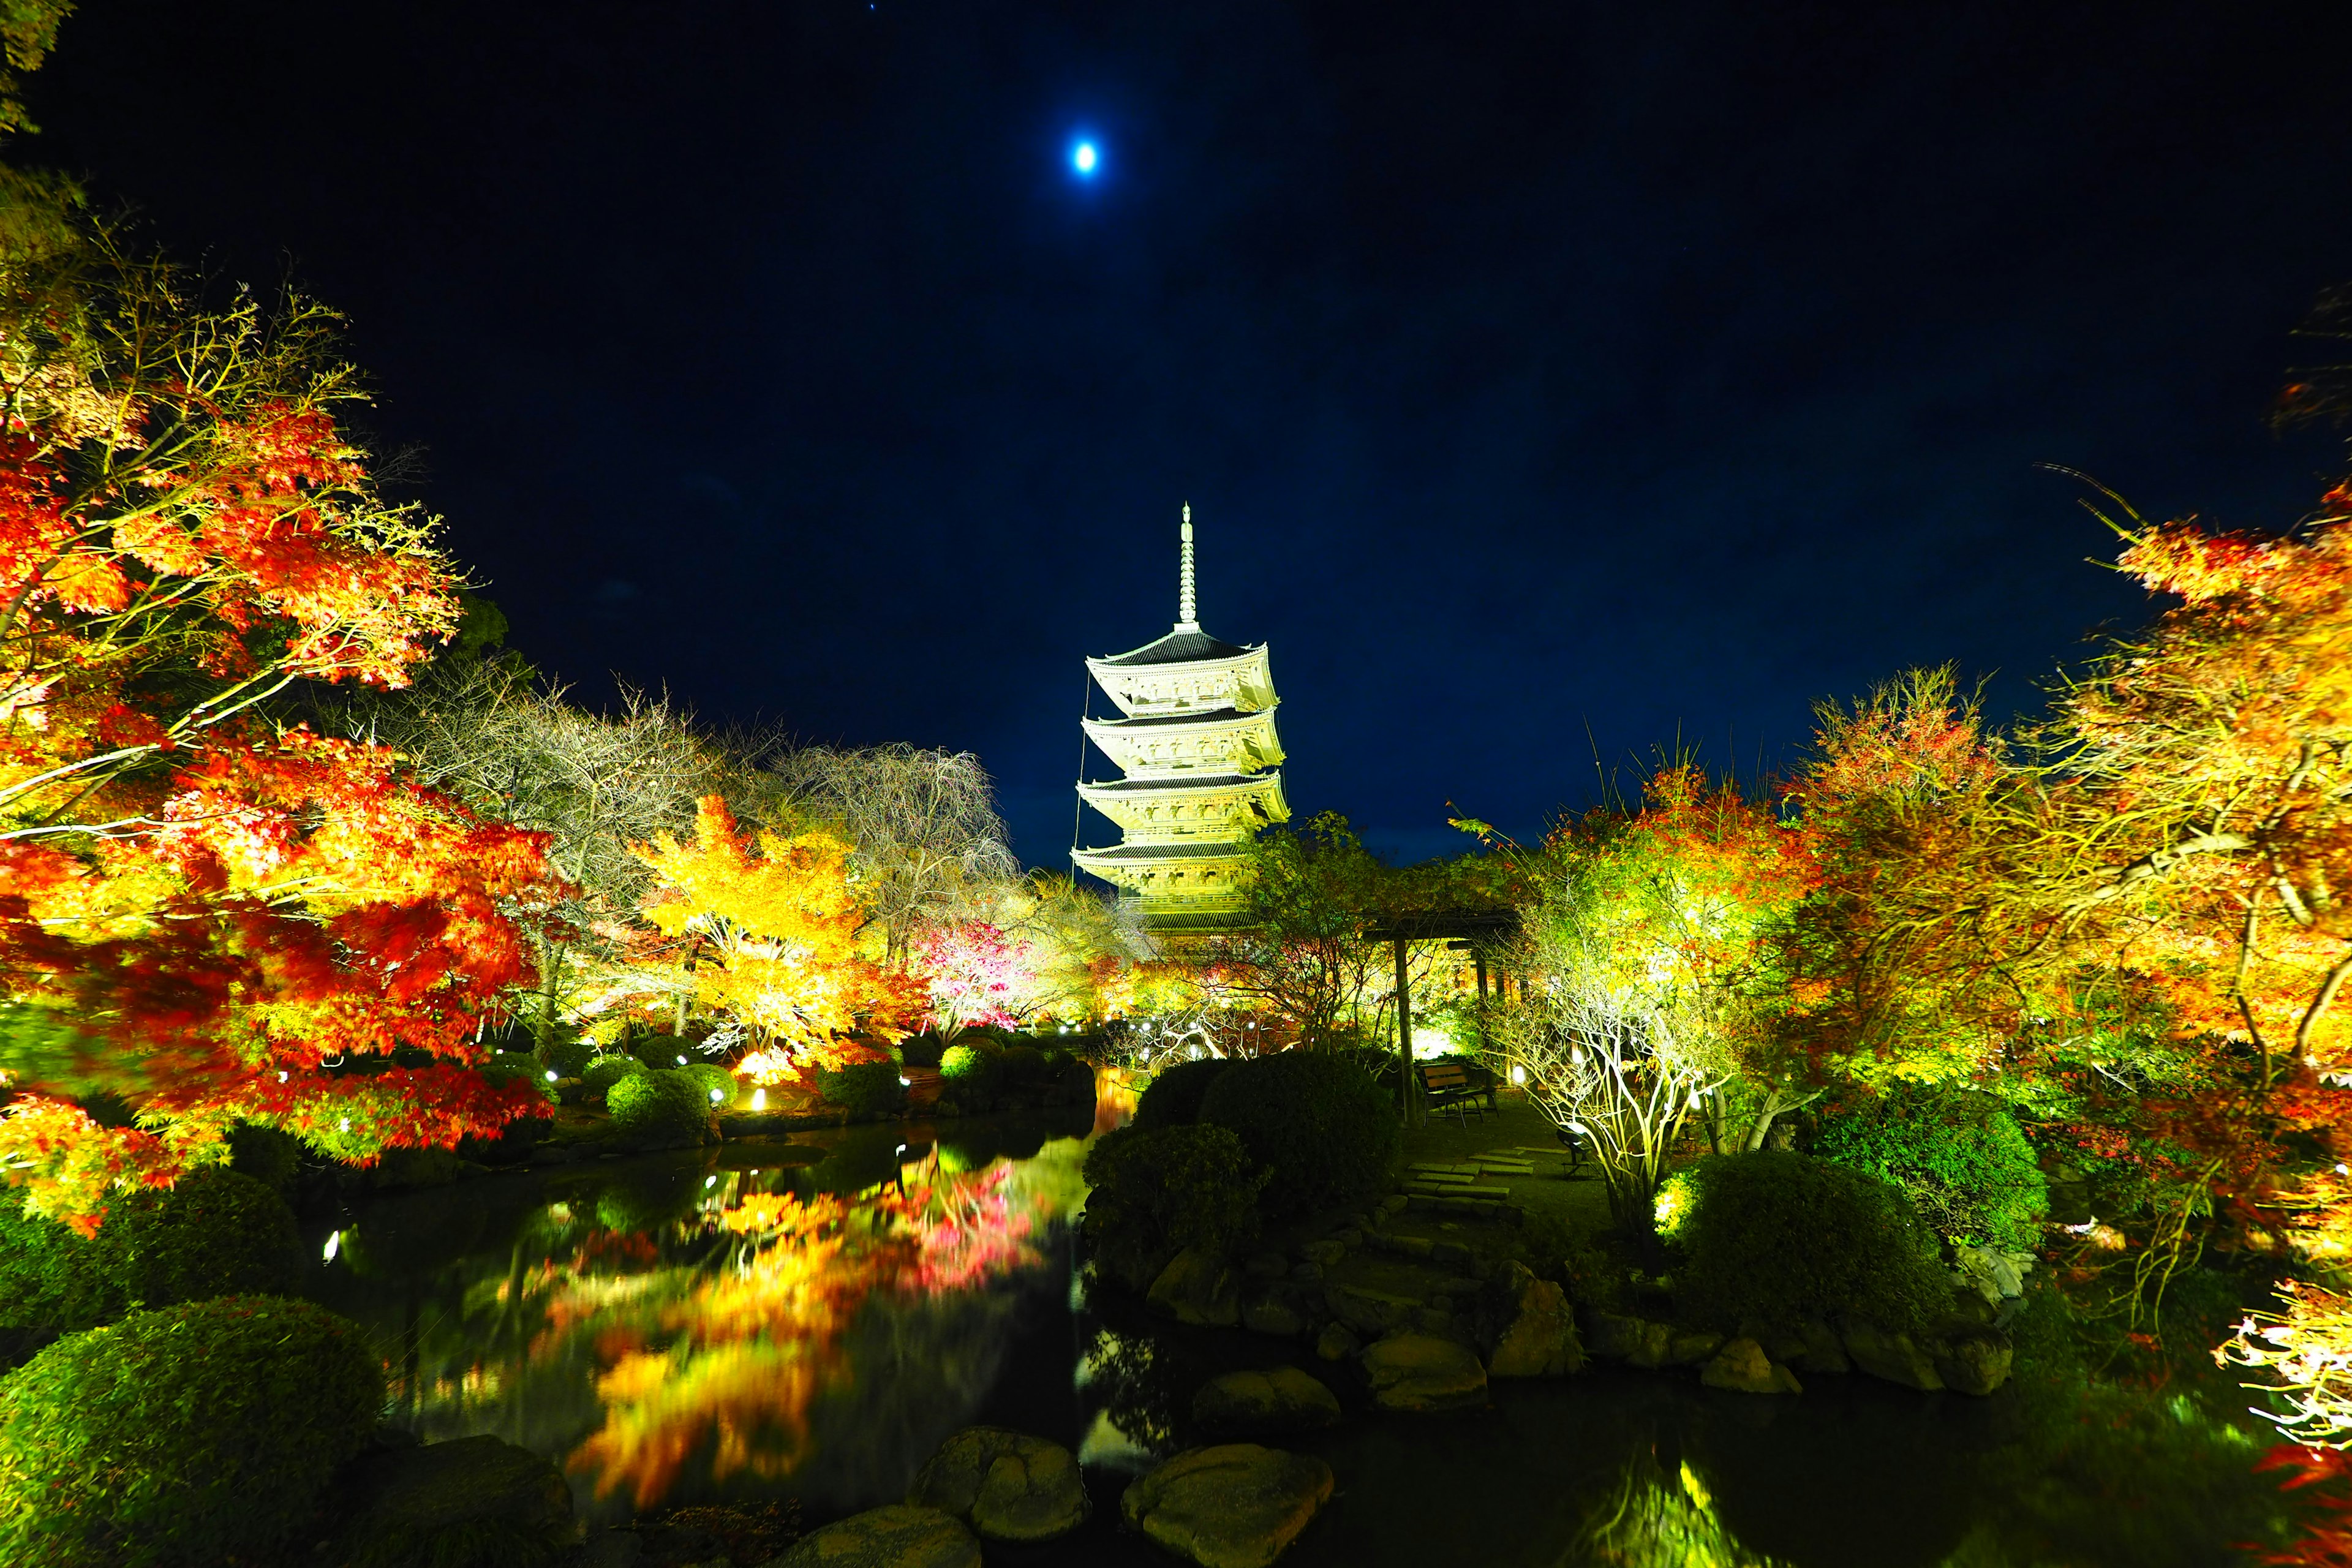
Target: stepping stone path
{"points": [[1234, 1506]]}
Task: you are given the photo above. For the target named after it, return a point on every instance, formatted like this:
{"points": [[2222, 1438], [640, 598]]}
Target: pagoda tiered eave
{"points": [[1200, 674], [1210, 742], [1168, 810]]}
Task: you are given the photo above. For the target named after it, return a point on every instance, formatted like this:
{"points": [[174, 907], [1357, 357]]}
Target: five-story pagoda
{"points": [[1196, 746]]}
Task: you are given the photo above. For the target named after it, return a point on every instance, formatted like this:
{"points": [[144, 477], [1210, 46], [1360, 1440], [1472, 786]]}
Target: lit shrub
{"points": [[864, 1089], [659, 1107], [1320, 1125], [1771, 1238], [199, 1433], [1959, 1157], [715, 1078], [569, 1057], [971, 1069], [923, 1050], [213, 1233], [1172, 1097], [1156, 1192], [597, 1079]]}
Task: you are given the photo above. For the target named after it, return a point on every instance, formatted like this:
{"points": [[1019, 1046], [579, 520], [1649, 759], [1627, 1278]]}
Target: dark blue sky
{"points": [[1655, 369]]}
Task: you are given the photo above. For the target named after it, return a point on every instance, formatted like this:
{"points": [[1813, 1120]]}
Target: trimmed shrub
{"points": [[971, 1069], [1173, 1096], [1158, 1191], [863, 1089], [194, 1435], [1024, 1067], [711, 1076], [659, 1106], [1959, 1157], [1320, 1123], [922, 1050], [518, 1067], [597, 1079], [215, 1233], [1771, 1238], [569, 1059]]}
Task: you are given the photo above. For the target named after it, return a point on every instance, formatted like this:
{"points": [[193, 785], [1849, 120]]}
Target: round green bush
{"points": [[1157, 1191], [659, 1105], [1959, 1157], [597, 1079], [711, 1076], [1318, 1122], [971, 1069], [923, 1050], [657, 1051], [1024, 1067], [1771, 1238], [863, 1089], [1173, 1096], [198, 1433], [569, 1057], [214, 1232]]}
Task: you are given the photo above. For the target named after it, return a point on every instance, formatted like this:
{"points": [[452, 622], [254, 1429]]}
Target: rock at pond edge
{"points": [[1742, 1367], [1007, 1485], [1258, 1404], [1423, 1373], [897, 1536], [1236, 1505], [1198, 1287]]}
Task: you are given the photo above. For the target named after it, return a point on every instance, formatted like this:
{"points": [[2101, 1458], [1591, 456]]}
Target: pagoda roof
{"points": [[1213, 782], [1197, 716], [1178, 647], [1199, 849]]}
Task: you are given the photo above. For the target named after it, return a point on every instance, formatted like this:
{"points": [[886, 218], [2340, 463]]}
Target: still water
{"points": [[811, 1319]]}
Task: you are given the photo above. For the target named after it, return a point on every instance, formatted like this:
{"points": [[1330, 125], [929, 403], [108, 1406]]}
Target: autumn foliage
{"points": [[206, 916], [776, 923]]}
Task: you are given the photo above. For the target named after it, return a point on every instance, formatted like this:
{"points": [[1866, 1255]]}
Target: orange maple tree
{"points": [[205, 916]]}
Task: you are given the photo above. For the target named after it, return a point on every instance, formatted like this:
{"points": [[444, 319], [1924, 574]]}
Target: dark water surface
{"points": [[809, 1319]]}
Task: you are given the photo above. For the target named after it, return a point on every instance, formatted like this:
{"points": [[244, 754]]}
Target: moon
{"points": [[1084, 158]]}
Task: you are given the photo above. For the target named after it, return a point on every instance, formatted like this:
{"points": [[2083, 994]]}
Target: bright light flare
{"points": [[1085, 160]]}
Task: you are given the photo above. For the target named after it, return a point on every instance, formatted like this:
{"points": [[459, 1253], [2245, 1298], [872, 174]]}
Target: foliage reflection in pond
{"points": [[686, 1321]]}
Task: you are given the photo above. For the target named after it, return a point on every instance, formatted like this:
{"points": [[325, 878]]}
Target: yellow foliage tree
{"points": [[775, 924]]}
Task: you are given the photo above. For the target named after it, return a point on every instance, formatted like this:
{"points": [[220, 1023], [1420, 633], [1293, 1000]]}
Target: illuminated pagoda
{"points": [[1198, 757]]}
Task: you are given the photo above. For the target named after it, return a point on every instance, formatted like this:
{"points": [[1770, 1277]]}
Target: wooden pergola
{"points": [[1479, 929]]}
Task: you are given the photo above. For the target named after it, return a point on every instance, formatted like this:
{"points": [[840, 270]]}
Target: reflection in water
{"points": [[669, 1331], [683, 1328]]}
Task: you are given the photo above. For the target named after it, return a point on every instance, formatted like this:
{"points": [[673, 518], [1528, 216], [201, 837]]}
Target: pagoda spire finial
{"points": [[1187, 618]]}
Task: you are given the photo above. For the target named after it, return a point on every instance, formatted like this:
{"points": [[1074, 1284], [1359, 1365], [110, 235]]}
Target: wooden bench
{"points": [[1458, 1084]]}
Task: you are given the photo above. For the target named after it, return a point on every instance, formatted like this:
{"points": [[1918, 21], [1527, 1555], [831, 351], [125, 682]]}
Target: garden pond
{"points": [[810, 1319]]}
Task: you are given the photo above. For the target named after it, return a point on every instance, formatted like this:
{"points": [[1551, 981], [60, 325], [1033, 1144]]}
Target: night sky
{"points": [[1534, 372]]}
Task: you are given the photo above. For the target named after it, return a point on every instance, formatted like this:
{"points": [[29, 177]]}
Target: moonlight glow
{"points": [[1083, 158]]}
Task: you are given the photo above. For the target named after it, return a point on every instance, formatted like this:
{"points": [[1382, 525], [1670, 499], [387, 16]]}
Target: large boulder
{"points": [[1006, 1486], [899, 1536], [1974, 1360], [1994, 1275], [1234, 1506], [1369, 1312], [1616, 1336], [1265, 1403], [1277, 1308], [1744, 1368], [1530, 1331], [1201, 1288], [421, 1502], [1824, 1351], [1898, 1358], [1424, 1372]]}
